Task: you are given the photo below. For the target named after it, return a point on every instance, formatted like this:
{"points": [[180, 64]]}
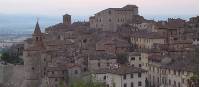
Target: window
{"points": [[139, 83], [33, 68], [56, 79], [131, 75], [139, 58], [174, 83], [124, 76], [104, 77], [175, 38], [76, 71], [85, 69], [132, 58], [36, 38], [183, 80], [169, 82], [109, 20], [99, 64], [44, 59], [132, 85], [139, 75], [59, 37], [108, 64], [63, 72], [140, 65], [174, 72], [125, 85], [179, 84], [133, 65], [109, 12], [107, 85], [85, 40]]}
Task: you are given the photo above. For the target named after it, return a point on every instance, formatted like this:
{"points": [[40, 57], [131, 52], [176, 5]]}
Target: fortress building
{"points": [[110, 19]]}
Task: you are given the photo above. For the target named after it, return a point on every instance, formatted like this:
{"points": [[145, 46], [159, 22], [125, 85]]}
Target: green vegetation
{"points": [[122, 58], [195, 60], [62, 84], [194, 77], [86, 83], [10, 59], [82, 83]]}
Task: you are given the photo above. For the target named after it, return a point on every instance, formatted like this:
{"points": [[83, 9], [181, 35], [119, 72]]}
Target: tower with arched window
{"points": [[32, 59]]}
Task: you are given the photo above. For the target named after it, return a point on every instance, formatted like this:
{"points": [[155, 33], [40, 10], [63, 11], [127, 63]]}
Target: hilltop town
{"points": [[117, 47]]}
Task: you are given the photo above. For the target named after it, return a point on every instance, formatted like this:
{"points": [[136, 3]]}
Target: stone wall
{"points": [[11, 75]]}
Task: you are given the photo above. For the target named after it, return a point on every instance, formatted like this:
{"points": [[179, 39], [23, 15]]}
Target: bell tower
{"points": [[37, 34], [32, 59]]}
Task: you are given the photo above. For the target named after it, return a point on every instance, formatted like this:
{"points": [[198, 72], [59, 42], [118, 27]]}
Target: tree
{"points": [[5, 57], [11, 59], [122, 58]]}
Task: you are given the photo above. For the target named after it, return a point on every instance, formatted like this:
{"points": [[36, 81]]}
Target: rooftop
{"points": [[122, 70]]}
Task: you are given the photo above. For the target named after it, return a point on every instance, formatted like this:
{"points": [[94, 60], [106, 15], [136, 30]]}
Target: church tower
{"points": [[32, 59]]}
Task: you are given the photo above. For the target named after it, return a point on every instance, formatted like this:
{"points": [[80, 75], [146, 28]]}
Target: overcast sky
{"points": [[89, 7]]}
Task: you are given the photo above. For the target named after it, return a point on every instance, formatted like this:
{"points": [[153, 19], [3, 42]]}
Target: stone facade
{"points": [[67, 50], [102, 60], [122, 77], [139, 60], [110, 19]]}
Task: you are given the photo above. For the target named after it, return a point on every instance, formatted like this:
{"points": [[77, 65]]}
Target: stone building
{"points": [[112, 45], [101, 60], [169, 72], [194, 21], [146, 40], [16, 50], [110, 19], [124, 76], [138, 59]]}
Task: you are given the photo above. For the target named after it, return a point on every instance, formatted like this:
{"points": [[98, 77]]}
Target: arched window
{"points": [[37, 38]]}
